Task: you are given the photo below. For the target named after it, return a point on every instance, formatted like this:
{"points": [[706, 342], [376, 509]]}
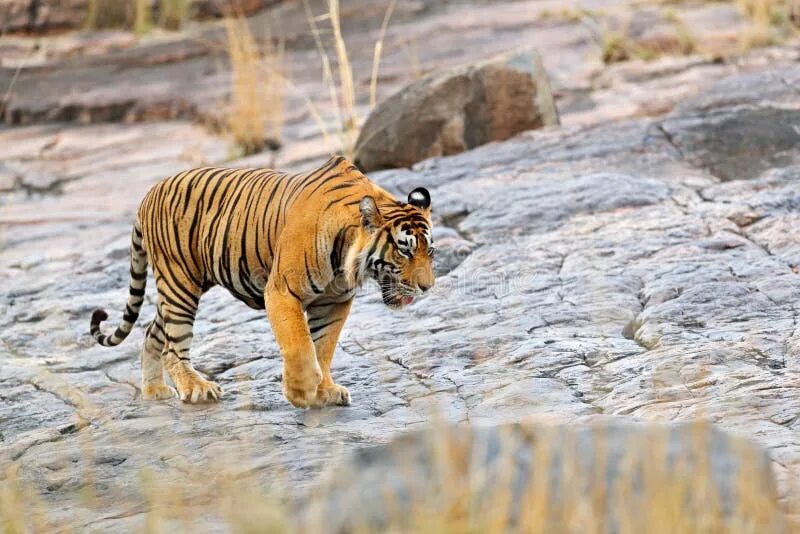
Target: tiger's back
{"points": [[219, 226]]}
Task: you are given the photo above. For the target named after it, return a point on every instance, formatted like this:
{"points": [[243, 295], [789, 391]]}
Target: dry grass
{"points": [[770, 21], [650, 493], [143, 17], [340, 82], [347, 91], [136, 15], [173, 13], [687, 43], [255, 111], [376, 56], [564, 14], [615, 45], [411, 49], [760, 31], [108, 14], [342, 94]]}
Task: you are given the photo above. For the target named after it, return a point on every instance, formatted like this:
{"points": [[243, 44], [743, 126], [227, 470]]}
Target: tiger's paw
{"points": [[332, 395], [158, 392], [301, 390], [195, 389]]}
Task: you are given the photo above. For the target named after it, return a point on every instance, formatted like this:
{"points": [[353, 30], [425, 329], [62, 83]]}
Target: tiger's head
{"points": [[399, 252]]}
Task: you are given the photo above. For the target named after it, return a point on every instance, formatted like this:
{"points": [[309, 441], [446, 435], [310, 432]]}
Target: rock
{"points": [[8, 178], [35, 16], [40, 16], [527, 476], [204, 9], [735, 133], [449, 112]]}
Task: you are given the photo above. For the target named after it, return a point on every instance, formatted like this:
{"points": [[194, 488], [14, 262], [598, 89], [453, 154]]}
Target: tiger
{"points": [[295, 245]]}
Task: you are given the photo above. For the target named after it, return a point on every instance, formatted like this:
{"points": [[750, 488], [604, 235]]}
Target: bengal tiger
{"points": [[296, 245]]}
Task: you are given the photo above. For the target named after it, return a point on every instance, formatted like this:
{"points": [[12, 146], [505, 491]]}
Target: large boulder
{"points": [[553, 479], [456, 110]]}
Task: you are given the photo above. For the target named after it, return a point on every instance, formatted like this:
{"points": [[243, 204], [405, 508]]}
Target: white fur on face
{"points": [[406, 241]]}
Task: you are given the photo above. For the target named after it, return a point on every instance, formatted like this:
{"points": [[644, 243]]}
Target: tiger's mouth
{"points": [[397, 301], [393, 297]]}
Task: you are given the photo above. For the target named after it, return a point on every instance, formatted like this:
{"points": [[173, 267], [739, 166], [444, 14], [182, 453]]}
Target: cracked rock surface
{"points": [[585, 272]]}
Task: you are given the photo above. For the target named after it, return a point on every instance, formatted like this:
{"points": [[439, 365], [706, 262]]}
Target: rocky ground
{"points": [[645, 268]]}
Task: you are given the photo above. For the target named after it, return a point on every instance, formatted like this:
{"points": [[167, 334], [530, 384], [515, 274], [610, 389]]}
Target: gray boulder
{"points": [[553, 478], [742, 126], [456, 110]]}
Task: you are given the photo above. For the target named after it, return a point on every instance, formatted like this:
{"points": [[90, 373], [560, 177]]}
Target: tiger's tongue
{"points": [[407, 300]]}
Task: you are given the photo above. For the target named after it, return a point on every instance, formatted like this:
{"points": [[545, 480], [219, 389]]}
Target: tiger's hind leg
{"points": [[153, 386], [178, 324]]}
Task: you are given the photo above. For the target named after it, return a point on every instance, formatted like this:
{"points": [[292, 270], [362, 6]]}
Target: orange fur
{"points": [[295, 245]]}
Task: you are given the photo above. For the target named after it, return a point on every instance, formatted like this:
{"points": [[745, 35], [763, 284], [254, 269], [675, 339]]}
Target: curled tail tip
{"points": [[98, 316]]}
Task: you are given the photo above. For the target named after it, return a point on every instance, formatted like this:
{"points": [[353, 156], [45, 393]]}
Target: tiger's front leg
{"points": [[301, 372], [325, 321]]}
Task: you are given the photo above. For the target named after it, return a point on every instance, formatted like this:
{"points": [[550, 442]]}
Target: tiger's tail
{"points": [[135, 296]]}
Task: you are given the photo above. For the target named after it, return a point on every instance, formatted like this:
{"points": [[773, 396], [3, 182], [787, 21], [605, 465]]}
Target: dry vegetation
{"points": [[137, 15], [259, 79], [650, 493], [771, 21], [768, 22], [255, 110], [339, 81], [616, 46]]}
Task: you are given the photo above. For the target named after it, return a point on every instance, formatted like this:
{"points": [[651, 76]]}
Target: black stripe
{"points": [[179, 339], [337, 200], [325, 181], [295, 295], [314, 287], [316, 329]]}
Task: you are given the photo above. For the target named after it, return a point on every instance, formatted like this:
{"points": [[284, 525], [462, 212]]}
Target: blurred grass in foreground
{"points": [[653, 490]]}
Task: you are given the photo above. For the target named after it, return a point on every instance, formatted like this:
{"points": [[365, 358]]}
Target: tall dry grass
{"points": [[556, 492], [545, 483], [255, 111], [143, 17], [770, 21], [339, 81], [377, 54], [760, 14]]}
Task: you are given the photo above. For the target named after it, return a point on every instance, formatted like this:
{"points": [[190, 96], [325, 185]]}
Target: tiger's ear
{"points": [[420, 198], [370, 215]]}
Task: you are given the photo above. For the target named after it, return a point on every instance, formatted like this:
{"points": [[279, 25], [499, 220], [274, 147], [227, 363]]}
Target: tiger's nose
{"points": [[423, 287]]}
